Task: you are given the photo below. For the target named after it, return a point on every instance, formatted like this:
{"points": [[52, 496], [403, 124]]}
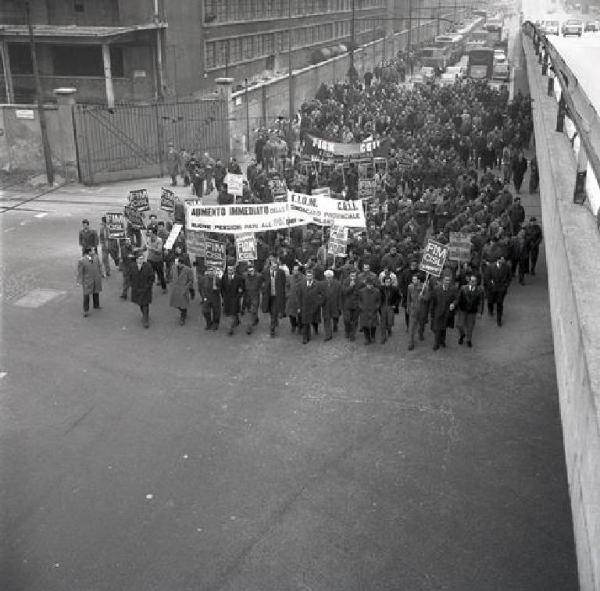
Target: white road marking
{"points": [[41, 215], [3, 374], [38, 297]]}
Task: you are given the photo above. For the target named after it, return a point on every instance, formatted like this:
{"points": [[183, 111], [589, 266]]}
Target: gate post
{"points": [[66, 147], [234, 149]]}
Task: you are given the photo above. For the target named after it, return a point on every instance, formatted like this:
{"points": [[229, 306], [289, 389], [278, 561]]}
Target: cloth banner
{"points": [[245, 245], [460, 246], [235, 184], [434, 257], [338, 241], [172, 236], [135, 217], [366, 147], [324, 211], [138, 199], [215, 254], [195, 243], [325, 191], [240, 219], [116, 224], [167, 200]]}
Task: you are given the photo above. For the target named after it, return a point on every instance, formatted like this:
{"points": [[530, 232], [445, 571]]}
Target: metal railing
{"points": [[573, 104]]}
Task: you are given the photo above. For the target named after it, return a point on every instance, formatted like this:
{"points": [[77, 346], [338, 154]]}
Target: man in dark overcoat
{"points": [[470, 302], [232, 288], [274, 293], [252, 288], [332, 304], [369, 302], [350, 301], [209, 286], [496, 279], [310, 300], [141, 279], [443, 302]]}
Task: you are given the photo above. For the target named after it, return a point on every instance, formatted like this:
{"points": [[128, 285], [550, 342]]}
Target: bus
{"points": [[481, 63], [436, 56], [455, 43]]}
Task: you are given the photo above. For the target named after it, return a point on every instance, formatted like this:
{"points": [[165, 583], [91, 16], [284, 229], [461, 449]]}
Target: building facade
{"points": [[118, 51]]}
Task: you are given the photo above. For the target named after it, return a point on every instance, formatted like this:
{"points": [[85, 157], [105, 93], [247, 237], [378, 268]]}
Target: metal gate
{"points": [[131, 141]]}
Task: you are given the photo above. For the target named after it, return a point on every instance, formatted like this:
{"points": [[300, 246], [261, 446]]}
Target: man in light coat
{"points": [[89, 276], [332, 304], [181, 286]]}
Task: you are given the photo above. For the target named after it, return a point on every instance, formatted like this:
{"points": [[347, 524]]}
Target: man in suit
{"points": [[310, 299], [350, 304], [443, 302], [533, 234], [417, 308], [209, 286], [142, 280], [470, 301], [274, 293], [183, 283], [332, 304], [232, 287], [497, 277]]}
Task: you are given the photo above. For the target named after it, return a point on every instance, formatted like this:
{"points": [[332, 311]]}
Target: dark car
{"points": [[592, 26]]}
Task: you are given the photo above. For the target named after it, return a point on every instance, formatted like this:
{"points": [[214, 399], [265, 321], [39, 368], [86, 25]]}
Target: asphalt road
{"points": [[174, 459]]}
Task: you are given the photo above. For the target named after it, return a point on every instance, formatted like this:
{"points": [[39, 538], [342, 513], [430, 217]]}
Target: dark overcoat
{"points": [[332, 303], [369, 301], [310, 301], [232, 289], [280, 292], [89, 274], [441, 315], [142, 281], [183, 281]]}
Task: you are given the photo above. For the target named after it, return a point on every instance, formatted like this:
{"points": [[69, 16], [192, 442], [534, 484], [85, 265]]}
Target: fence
{"points": [[131, 141]]}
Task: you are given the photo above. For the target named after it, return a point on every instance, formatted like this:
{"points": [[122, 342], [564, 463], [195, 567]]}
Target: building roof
{"points": [[73, 32]]}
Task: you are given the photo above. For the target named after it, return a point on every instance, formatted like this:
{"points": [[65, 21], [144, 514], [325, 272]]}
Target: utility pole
{"points": [[290, 77], [409, 25], [40, 104], [353, 35]]}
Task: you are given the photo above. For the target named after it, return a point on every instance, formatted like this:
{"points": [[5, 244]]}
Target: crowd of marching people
{"points": [[455, 162]]}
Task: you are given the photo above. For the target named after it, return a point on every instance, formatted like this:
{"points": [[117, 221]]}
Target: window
{"points": [[246, 47], [268, 44], [19, 55], [235, 50], [85, 60], [211, 58], [210, 11]]}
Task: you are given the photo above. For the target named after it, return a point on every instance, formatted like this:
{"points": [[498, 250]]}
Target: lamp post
{"points": [[290, 77], [40, 103]]}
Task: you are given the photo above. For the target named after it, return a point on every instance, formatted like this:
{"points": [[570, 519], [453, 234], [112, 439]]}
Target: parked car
{"points": [[593, 26], [550, 27], [572, 27], [499, 56], [448, 79], [501, 72]]}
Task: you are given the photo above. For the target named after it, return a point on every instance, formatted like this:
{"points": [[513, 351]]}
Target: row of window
{"points": [[224, 52], [225, 11]]}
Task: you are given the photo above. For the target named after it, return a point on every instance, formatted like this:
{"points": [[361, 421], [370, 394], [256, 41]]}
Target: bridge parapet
{"points": [[572, 246]]}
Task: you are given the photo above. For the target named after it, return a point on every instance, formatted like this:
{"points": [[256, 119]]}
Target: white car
{"points": [[499, 56], [572, 27], [447, 79]]}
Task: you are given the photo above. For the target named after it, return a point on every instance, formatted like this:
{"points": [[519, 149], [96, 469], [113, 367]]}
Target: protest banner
{"points": [[324, 211], [364, 148], [116, 224], [172, 236], [433, 258], [167, 200], [459, 248], [366, 188], [195, 243], [236, 219], [138, 199], [134, 217], [215, 254], [338, 241], [245, 245], [235, 184]]}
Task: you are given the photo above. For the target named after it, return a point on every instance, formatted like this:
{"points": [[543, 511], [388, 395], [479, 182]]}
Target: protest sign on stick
{"points": [[338, 241], [167, 200], [433, 258], [245, 245], [134, 217], [138, 199], [459, 248], [116, 224], [215, 254]]}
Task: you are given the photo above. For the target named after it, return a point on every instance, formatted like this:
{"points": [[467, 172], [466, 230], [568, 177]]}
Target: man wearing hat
{"points": [[142, 280], [274, 293], [89, 276], [88, 238], [232, 287], [332, 304], [369, 301], [252, 288], [173, 163], [310, 299], [533, 235]]}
